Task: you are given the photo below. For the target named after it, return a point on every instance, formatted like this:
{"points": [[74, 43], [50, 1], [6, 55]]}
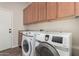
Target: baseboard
{"points": [[14, 46]]}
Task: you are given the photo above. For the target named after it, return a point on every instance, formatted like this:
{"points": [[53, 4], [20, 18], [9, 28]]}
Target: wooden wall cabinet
{"points": [[76, 8], [45, 11], [51, 10], [65, 9]]}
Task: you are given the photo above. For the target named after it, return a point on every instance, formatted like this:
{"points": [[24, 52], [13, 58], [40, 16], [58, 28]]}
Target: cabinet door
{"points": [[29, 15], [25, 18], [77, 8], [42, 11], [51, 10], [35, 12], [65, 9]]}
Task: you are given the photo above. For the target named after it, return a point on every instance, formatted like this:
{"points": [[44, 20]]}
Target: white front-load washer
{"points": [[28, 41], [53, 44]]}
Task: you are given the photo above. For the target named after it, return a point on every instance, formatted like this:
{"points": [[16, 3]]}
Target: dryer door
{"points": [[45, 49]]}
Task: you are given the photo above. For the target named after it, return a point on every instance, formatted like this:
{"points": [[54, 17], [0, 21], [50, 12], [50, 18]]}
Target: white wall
{"points": [[69, 24], [17, 11]]}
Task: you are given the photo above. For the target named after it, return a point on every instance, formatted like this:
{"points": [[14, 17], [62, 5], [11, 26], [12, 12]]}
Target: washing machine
{"points": [[53, 44], [28, 40]]}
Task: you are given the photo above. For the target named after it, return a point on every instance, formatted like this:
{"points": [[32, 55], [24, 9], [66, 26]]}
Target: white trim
{"points": [[14, 46]]}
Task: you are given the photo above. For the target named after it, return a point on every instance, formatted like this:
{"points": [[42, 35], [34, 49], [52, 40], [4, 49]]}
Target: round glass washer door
{"points": [[45, 49], [27, 47]]}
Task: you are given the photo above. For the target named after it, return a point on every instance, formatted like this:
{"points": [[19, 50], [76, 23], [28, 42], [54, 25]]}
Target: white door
{"points": [[5, 25]]}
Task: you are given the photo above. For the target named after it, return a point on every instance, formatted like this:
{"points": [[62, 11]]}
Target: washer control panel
{"points": [[57, 39]]}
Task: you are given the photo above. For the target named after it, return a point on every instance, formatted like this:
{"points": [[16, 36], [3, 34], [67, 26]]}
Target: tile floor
{"points": [[15, 52], [11, 52]]}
